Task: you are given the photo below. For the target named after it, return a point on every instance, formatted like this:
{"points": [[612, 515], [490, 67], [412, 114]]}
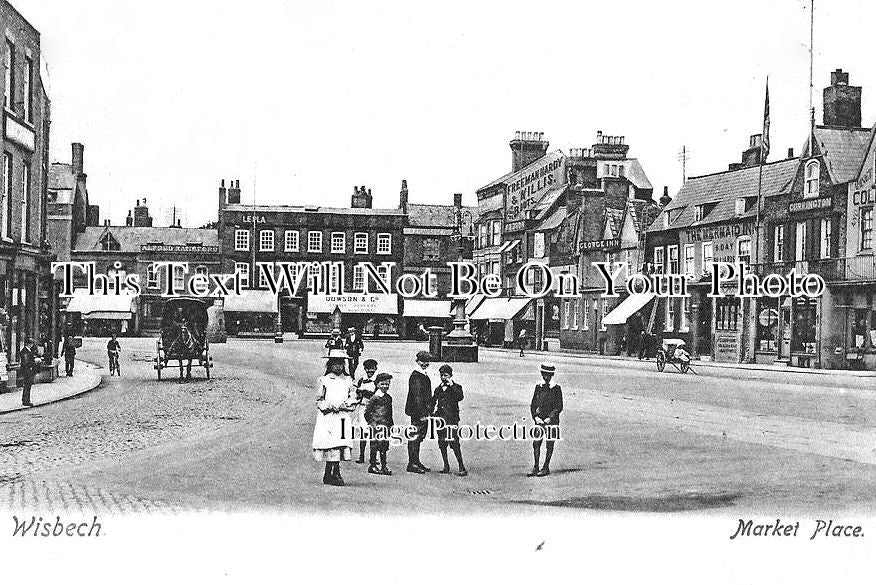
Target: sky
{"points": [[301, 101]]}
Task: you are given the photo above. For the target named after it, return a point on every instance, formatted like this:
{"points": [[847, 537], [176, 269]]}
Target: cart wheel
{"points": [[684, 367], [661, 360]]}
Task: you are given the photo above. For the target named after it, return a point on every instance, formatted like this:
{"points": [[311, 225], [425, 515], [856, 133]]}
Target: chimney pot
{"points": [[790, 153], [138, 203], [222, 184], [457, 199]]}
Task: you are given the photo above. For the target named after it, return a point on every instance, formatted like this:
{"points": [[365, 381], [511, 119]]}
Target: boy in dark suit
{"points": [[419, 408], [546, 405], [354, 347], [447, 397], [378, 414]]}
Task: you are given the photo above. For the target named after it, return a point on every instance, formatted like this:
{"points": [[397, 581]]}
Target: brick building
{"points": [[251, 234], [27, 301], [134, 248], [429, 244]]}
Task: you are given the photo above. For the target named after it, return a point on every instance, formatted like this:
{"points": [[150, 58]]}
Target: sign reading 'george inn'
{"points": [[613, 244]]}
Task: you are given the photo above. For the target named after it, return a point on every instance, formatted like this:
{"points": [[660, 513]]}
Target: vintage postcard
{"points": [[392, 292]]}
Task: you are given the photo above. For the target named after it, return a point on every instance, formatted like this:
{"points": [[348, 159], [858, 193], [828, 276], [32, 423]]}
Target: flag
{"points": [[766, 123]]}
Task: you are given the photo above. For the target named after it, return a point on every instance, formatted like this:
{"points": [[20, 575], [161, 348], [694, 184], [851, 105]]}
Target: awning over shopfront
{"points": [[473, 303], [426, 308], [368, 304], [99, 306], [251, 301], [628, 306], [501, 309]]}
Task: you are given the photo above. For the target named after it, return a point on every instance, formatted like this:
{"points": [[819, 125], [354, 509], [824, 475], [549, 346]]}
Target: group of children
{"points": [[343, 404]]}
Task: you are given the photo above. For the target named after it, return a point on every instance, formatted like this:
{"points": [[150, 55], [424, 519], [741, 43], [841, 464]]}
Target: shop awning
{"points": [[628, 306], [501, 309], [100, 306], [368, 304], [426, 308], [251, 301], [473, 303]]}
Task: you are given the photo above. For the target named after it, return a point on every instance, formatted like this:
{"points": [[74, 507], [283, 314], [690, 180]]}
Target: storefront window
{"points": [[727, 314], [803, 337], [859, 328], [767, 324]]}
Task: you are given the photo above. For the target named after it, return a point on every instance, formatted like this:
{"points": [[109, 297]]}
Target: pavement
{"points": [[86, 377]]}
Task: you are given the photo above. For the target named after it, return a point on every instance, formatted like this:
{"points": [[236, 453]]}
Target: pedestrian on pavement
{"points": [[447, 397], [335, 341], [645, 345], [354, 347], [546, 405], [27, 367], [68, 350], [365, 388], [419, 407], [332, 433], [378, 413], [521, 341], [113, 349]]}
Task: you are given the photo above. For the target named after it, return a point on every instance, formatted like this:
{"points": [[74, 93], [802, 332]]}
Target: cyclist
{"points": [[113, 348]]}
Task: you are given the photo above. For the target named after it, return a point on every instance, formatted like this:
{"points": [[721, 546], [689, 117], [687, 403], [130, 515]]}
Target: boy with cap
{"points": [[419, 408], [354, 347], [378, 414], [546, 405], [335, 341], [447, 397], [365, 388]]}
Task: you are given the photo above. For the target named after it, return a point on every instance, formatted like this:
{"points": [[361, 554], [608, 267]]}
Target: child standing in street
{"points": [[378, 413], [447, 397], [546, 405], [365, 389], [332, 433]]}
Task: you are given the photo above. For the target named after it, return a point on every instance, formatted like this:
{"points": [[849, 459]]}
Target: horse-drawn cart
{"points": [[184, 336]]}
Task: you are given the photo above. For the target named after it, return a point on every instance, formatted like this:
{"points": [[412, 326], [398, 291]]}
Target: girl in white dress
{"points": [[333, 432]]}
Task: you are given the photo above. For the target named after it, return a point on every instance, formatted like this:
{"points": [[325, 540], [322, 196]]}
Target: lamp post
{"points": [[460, 345]]}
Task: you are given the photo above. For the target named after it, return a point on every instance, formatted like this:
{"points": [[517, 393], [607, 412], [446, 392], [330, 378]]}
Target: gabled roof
{"points": [[421, 215], [643, 212], [61, 176], [843, 150], [614, 221], [723, 189], [131, 238], [636, 174]]}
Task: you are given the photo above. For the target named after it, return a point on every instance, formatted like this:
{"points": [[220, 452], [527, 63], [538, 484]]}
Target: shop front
{"points": [[499, 321], [253, 313], [374, 315], [102, 315], [420, 314]]}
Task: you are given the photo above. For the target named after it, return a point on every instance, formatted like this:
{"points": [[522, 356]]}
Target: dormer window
{"points": [[666, 220], [813, 171], [699, 212], [740, 205], [109, 243]]}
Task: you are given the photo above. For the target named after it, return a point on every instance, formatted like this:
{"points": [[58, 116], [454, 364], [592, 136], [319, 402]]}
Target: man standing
{"points": [[113, 349], [354, 347], [27, 369], [521, 340], [419, 408], [68, 350]]}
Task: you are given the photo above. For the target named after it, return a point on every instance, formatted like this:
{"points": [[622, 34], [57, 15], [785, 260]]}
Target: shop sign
{"points": [[812, 204], [373, 304], [538, 245], [726, 346], [717, 232], [611, 244], [181, 248], [865, 197], [19, 133], [526, 187], [258, 219]]}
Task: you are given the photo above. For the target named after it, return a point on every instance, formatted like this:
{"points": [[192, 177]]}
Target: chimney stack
{"points": [[526, 148], [361, 198], [842, 102], [78, 159], [665, 199], [403, 197], [129, 221], [141, 215], [234, 192]]}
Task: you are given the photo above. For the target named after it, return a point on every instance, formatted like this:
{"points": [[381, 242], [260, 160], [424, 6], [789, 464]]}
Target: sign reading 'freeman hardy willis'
{"points": [[527, 187]]}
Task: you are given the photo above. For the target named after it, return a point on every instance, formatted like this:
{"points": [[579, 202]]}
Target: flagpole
{"points": [[764, 142]]}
